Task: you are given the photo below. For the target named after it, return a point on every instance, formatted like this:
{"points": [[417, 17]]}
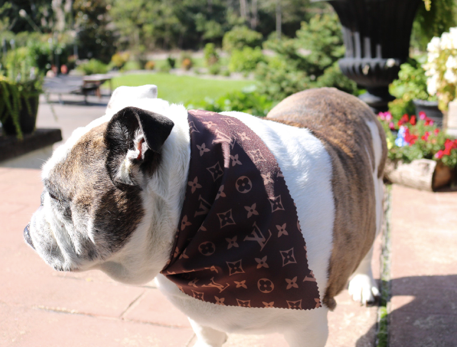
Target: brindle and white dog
{"points": [[113, 194]]}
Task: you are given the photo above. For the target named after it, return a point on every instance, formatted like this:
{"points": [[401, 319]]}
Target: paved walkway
{"points": [[41, 307]]}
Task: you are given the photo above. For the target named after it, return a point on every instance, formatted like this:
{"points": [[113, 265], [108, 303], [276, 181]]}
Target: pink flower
{"points": [[439, 154], [388, 116], [422, 115], [392, 125]]}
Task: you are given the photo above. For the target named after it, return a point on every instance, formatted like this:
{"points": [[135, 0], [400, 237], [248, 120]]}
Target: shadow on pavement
{"points": [[424, 312]]}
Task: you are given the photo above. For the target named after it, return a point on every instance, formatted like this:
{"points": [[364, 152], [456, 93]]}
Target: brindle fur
{"points": [[339, 121]]}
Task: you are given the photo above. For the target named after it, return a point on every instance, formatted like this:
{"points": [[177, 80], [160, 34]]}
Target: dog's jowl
{"points": [[248, 225]]}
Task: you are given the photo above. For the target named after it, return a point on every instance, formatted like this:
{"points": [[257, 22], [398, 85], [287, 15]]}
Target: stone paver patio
{"points": [[41, 307]]}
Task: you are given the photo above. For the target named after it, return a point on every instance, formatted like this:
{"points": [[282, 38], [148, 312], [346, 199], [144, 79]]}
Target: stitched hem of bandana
{"points": [[294, 305]]}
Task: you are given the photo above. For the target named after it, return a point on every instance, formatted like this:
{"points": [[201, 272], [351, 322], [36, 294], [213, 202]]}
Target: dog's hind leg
{"points": [[313, 333], [206, 336], [362, 286]]}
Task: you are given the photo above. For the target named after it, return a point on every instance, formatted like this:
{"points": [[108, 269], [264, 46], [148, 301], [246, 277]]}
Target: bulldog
{"points": [[260, 242]]}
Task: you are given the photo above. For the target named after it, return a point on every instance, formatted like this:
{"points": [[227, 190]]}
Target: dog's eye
{"points": [[53, 196]]}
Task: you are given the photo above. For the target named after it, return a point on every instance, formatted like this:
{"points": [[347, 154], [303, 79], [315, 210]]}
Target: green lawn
{"points": [[182, 89]]}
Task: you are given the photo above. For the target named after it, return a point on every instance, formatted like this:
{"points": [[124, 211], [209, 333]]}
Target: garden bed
{"points": [[11, 147]]}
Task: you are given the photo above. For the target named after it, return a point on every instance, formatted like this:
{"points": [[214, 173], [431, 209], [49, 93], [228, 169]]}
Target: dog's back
{"points": [[356, 144]]}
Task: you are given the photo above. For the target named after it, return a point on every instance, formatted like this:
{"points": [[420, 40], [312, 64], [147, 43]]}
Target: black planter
{"points": [[376, 34], [431, 110], [27, 120]]}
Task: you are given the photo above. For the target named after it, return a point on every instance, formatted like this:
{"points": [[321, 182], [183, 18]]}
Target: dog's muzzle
{"points": [[27, 237]]}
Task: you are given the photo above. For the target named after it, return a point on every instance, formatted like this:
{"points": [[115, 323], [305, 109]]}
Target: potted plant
{"points": [[420, 154], [410, 90], [441, 68], [20, 87]]}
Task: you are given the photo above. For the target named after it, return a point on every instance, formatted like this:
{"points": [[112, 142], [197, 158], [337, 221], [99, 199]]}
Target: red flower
{"points": [[405, 118], [413, 120], [425, 136], [437, 131], [439, 154]]}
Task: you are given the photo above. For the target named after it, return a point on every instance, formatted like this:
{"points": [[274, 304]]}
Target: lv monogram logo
{"points": [[203, 208], [258, 236], [216, 285]]}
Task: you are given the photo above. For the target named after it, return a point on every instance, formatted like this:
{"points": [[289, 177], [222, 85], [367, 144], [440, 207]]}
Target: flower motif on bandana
{"points": [[276, 204], [265, 285], [207, 248], [229, 121], [215, 171], [243, 184], [243, 136], [225, 218], [203, 149], [232, 242], [241, 284], [251, 210], [288, 257], [282, 230], [292, 283], [244, 303], [267, 178], [262, 262], [235, 160], [294, 304], [235, 267], [256, 156], [194, 184], [219, 301], [268, 304], [198, 295], [185, 223]]}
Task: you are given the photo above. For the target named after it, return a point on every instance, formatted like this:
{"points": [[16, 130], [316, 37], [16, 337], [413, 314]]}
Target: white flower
{"points": [[450, 76], [453, 33], [432, 84], [434, 45], [447, 41], [451, 62]]}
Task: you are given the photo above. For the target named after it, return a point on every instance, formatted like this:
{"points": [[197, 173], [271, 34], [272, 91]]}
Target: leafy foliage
{"points": [[93, 66], [413, 139], [210, 53], [248, 100], [240, 37], [308, 61], [410, 85], [246, 59]]}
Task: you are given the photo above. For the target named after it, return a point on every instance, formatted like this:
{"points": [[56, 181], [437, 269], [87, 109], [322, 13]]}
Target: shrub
{"points": [[214, 69], [240, 37], [93, 66], [186, 61], [150, 65], [410, 85], [248, 100], [171, 62], [211, 56], [119, 59], [308, 61], [245, 60]]}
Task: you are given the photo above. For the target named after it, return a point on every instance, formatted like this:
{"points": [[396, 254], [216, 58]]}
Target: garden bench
{"points": [[67, 84]]}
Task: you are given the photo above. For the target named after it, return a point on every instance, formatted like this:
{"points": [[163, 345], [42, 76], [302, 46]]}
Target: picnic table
{"points": [[68, 84]]}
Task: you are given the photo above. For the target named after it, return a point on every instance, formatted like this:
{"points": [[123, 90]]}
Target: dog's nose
{"points": [[27, 237]]}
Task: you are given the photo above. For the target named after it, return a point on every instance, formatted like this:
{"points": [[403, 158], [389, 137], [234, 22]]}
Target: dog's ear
{"points": [[134, 138]]}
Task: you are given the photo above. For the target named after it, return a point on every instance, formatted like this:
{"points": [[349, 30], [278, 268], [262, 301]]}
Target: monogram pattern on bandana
{"points": [[238, 241]]}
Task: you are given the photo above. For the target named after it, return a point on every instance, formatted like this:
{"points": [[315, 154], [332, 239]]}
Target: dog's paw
{"points": [[363, 289]]}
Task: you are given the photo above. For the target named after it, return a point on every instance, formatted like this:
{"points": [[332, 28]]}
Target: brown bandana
{"points": [[239, 241]]}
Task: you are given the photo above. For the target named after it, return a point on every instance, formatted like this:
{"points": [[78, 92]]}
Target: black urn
{"points": [[376, 34]]}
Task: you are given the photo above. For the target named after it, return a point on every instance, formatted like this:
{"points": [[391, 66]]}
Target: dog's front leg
{"points": [[206, 336]]}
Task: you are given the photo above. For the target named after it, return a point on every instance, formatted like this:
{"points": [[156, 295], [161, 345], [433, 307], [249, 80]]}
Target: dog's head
{"points": [[93, 199]]}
